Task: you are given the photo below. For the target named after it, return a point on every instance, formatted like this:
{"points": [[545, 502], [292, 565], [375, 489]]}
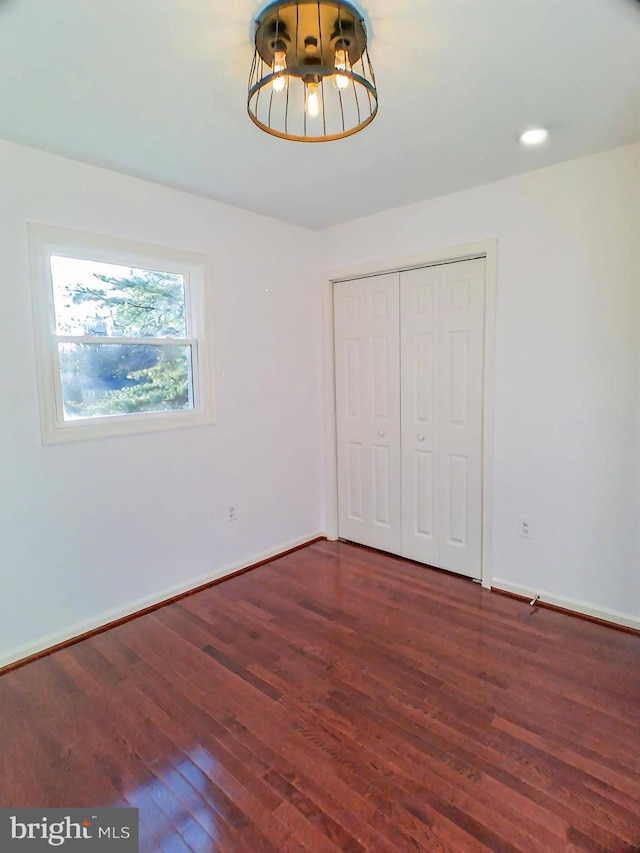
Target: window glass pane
{"points": [[121, 379], [92, 298]]}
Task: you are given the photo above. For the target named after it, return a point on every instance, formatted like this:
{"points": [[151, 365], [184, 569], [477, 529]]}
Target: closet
{"points": [[409, 352]]}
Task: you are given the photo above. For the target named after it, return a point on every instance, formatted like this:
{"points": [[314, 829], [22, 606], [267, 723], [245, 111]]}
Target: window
{"points": [[120, 336]]}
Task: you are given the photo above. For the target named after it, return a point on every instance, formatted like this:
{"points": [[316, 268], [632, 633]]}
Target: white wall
{"points": [[567, 433], [88, 530], [92, 530]]}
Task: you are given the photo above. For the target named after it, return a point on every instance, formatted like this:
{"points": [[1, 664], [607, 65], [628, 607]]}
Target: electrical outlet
{"points": [[232, 512], [524, 528]]}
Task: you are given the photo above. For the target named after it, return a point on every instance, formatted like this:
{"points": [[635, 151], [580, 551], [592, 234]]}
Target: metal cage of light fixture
{"points": [[311, 78]]}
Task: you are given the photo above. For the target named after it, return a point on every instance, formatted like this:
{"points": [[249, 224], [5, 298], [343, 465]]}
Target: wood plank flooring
{"points": [[339, 700]]}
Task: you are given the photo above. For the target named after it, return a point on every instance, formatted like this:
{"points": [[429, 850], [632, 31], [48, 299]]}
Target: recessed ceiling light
{"points": [[536, 136]]}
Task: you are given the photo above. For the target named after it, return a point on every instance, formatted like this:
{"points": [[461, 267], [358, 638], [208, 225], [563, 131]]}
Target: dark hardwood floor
{"points": [[339, 699]]}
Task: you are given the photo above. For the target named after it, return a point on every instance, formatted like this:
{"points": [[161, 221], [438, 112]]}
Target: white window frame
{"points": [[45, 241]]}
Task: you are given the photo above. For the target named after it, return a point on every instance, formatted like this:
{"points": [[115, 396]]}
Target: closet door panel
{"points": [[368, 406], [420, 346], [409, 386], [461, 352]]}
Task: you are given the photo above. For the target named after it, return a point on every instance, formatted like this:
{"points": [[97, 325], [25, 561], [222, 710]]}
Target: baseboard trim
{"points": [[601, 615], [112, 619]]}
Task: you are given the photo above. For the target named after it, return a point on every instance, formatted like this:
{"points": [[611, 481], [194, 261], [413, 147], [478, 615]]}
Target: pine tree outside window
{"points": [[120, 336]]}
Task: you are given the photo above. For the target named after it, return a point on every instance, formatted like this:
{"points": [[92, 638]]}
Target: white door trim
{"points": [[487, 249]]}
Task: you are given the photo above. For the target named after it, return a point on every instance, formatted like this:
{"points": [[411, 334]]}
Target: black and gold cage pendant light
{"points": [[311, 78]]}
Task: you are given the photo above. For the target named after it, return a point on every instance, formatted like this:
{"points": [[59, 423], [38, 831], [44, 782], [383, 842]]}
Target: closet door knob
{"points": [[381, 433], [421, 438]]}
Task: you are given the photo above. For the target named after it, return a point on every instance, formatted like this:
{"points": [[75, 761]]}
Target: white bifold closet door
{"points": [[409, 386], [367, 327], [442, 323]]}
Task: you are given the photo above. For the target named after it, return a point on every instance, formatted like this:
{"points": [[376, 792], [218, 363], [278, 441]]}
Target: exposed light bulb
{"points": [[280, 65], [342, 63], [313, 100]]}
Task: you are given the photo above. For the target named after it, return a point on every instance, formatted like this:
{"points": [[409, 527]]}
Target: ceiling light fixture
{"points": [[311, 78], [535, 136]]}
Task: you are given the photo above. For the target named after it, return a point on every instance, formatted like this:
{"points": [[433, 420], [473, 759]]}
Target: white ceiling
{"points": [[157, 89]]}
